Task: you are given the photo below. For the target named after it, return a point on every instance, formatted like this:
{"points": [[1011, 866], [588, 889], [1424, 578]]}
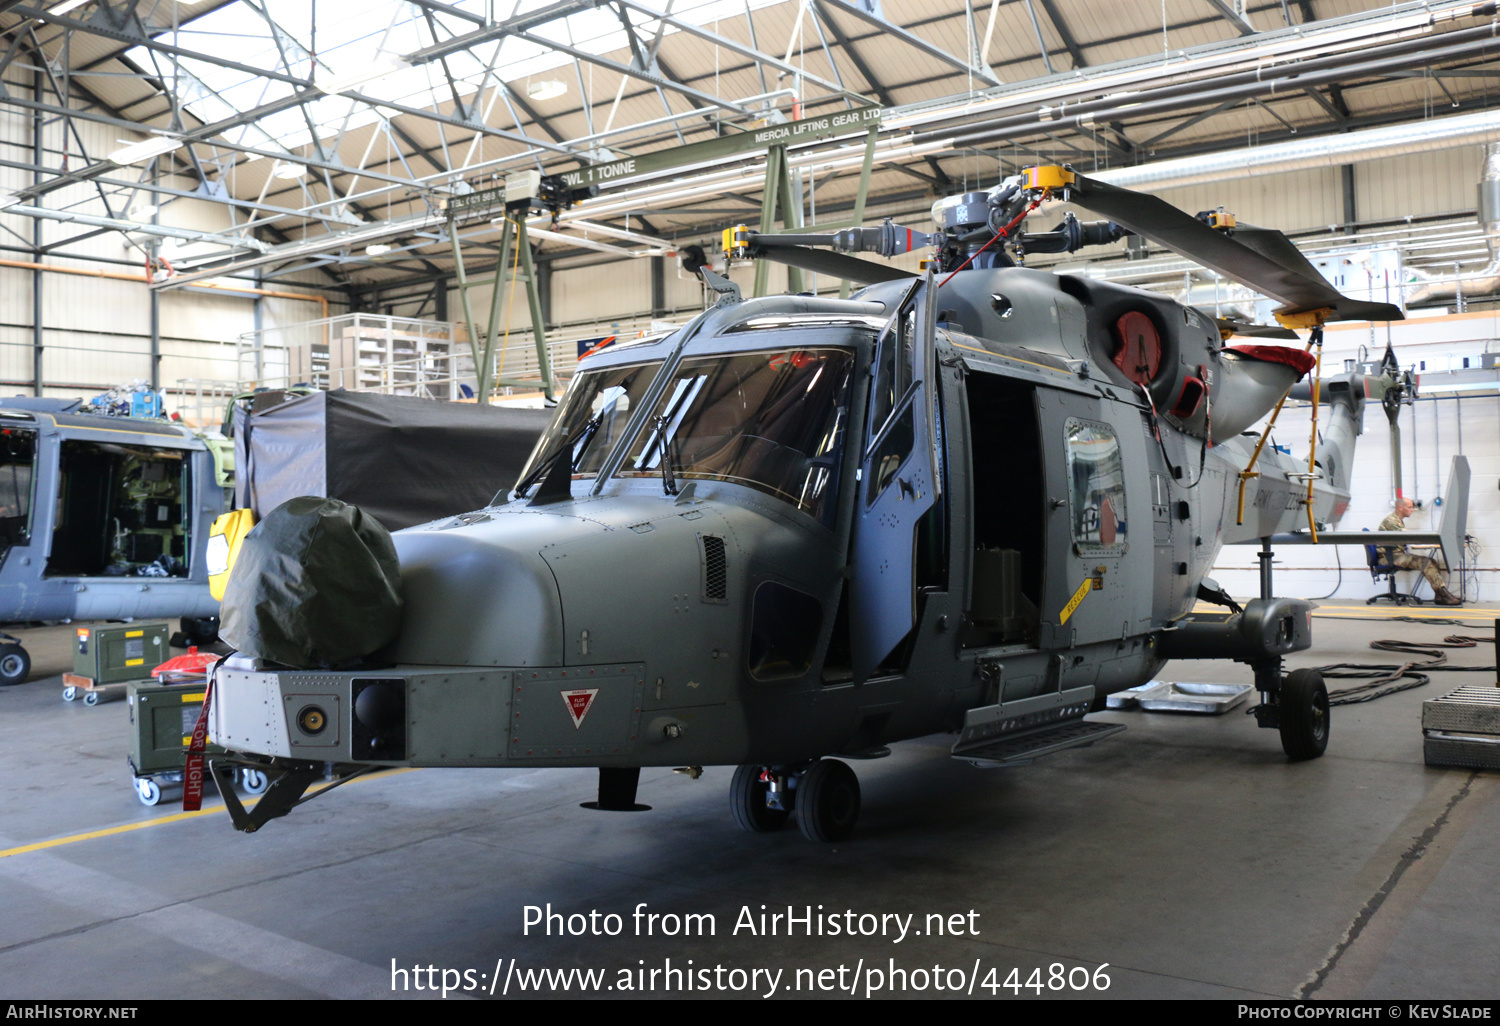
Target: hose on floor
{"points": [[1390, 678]]}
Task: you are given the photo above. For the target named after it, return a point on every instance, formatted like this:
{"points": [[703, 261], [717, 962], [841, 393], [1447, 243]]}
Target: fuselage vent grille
{"points": [[715, 569]]}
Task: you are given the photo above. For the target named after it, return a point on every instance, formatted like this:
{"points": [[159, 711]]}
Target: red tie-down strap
{"points": [[1299, 360], [192, 775]]}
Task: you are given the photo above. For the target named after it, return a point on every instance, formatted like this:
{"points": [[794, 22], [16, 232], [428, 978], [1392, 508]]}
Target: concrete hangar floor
{"points": [[1186, 853]]}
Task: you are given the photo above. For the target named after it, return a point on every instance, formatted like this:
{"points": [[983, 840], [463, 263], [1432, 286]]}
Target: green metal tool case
{"points": [[120, 652]]}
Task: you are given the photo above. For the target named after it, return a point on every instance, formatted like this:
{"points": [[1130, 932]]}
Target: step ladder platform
{"points": [[1462, 728], [1020, 749]]}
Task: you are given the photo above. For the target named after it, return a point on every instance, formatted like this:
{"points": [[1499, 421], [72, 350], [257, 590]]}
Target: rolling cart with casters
{"points": [[163, 717], [90, 691]]}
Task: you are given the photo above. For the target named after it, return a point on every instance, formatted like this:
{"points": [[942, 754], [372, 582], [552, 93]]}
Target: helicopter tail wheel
{"points": [[15, 664], [827, 801], [1303, 705], [747, 799]]}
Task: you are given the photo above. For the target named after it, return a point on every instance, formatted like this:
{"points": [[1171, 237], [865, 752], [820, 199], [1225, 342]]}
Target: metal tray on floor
{"points": [[1175, 696]]}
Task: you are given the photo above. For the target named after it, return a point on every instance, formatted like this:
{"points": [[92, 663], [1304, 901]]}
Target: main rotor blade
{"points": [[1262, 258], [866, 272]]}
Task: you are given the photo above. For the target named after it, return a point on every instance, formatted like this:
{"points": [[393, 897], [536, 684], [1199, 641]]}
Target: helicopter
{"points": [[103, 517], [979, 499]]}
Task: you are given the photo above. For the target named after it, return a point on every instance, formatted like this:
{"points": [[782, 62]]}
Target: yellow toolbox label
{"points": [[196, 696], [134, 662], [135, 634]]}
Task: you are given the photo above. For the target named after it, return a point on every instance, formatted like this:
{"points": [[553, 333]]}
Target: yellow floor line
{"points": [[58, 842], [1440, 612], [1476, 613]]}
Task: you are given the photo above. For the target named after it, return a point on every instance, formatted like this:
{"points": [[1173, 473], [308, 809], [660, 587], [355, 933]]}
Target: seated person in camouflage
{"points": [[1398, 557]]}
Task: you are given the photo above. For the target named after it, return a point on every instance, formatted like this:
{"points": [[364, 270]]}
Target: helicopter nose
{"points": [[477, 598]]}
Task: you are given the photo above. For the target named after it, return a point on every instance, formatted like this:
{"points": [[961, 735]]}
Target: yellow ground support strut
{"points": [[1311, 319]]}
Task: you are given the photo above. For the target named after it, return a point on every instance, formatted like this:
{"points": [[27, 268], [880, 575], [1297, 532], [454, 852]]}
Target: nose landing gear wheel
{"points": [[1303, 708], [747, 799], [827, 801], [15, 665]]}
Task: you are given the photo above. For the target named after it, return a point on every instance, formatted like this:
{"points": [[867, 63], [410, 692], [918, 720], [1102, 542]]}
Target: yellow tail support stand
{"points": [[1312, 319], [1312, 446]]}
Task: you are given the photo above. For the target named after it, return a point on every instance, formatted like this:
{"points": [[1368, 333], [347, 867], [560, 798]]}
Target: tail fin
{"points": [[1455, 510]]}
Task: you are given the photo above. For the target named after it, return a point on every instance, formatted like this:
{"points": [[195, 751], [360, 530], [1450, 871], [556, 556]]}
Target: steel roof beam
{"points": [[912, 40], [1049, 7], [1240, 23], [703, 98], [732, 46]]}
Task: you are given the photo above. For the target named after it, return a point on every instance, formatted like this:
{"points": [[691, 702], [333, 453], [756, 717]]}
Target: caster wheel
{"points": [[15, 664], [1303, 705], [69, 693], [91, 698], [254, 781], [747, 799], [147, 790], [827, 801]]}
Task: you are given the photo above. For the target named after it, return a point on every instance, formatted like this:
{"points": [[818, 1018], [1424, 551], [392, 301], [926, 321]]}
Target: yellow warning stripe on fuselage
{"points": [[1083, 589]]}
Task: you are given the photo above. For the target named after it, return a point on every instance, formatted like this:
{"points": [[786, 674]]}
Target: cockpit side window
{"points": [[773, 420], [17, 460]]}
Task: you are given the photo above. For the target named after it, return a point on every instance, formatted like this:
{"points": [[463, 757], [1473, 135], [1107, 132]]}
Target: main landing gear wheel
{"points": [[15, 665], [827, 801], [1303, 708], [747, 799]]}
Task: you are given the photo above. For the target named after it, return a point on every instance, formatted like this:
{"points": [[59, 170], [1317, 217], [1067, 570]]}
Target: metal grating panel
{"points": [[1470, 709], [1470, 752], [715, 569]]}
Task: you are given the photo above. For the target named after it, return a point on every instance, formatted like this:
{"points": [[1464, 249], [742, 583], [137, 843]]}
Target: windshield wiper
{"points": [[583, 435], [668, 478]]}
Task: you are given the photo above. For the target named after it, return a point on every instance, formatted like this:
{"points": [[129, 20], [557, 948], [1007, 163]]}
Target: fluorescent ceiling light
{"points": [[354, 79], [546, 90], [143, 211], [379, 249], [287, 172], [144, 150], [8, 199], [66, 6]]}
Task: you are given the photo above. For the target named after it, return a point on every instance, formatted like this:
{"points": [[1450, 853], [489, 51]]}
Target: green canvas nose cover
{"points": [[316, 585]]}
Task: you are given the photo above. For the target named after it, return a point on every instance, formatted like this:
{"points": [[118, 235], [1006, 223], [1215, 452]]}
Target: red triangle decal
{"points": [[578, 703]]}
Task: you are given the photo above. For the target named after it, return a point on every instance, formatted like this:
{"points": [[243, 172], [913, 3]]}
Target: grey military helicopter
{"points": [[102, 518], [799, 529]]}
